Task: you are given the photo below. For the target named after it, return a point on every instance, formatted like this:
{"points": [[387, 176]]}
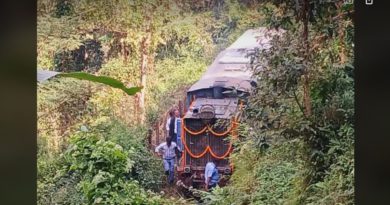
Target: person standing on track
{"points": [[177, 130], [174, 130], [168, 149], [172, 126], [211, 175]]}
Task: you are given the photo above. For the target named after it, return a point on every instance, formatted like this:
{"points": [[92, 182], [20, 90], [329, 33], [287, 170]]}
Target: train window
{"points": [[228, 93], [201, 95], [205, 93]]}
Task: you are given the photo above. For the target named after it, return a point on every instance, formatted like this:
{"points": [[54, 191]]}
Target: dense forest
{"points": [[297, 131]]}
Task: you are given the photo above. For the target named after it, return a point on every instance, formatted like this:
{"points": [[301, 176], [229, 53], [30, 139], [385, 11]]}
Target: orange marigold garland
{"points": [[208, 148]]}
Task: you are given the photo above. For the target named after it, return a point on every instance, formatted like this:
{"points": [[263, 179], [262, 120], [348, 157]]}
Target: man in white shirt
{"points": [[211, 175], [168, 149], [169, 122]]}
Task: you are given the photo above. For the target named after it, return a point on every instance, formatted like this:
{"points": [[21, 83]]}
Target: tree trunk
{"points": [[142, 93], [306, 82], [306, 95], [136, 105], [145, 44]]}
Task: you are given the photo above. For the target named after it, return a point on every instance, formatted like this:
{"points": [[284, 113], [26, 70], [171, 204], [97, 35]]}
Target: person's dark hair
{"points": [[174, 112], [169, 141], [171, 113], [214, 160]]}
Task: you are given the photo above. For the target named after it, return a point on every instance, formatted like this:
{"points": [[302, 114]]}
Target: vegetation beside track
{"points": [[298, 126]]}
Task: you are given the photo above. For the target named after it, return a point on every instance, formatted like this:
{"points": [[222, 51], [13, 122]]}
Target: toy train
{"points": [[212, 106]]}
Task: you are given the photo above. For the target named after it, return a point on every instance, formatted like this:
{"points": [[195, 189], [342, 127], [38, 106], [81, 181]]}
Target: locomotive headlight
{"points": [[187, 169], [207, 112]]}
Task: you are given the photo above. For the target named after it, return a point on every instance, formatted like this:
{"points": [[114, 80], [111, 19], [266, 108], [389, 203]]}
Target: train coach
{"points": [[212, 106]]}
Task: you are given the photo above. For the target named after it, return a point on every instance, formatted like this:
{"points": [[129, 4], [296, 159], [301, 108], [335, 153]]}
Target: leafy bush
{"points": [[101, 162], [88, 57], [274, 176], [219, 196], [280, 174], [147, 169], [59, 189], [62, 103], [98, 169], [103, 166], [338, 184]]}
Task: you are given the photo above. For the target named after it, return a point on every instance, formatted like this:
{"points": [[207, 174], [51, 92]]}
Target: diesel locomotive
{"points": [[212, 106]]}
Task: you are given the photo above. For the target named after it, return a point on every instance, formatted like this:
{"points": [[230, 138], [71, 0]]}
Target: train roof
{"points": [[224, 75], [230, 68], [253, 38]]}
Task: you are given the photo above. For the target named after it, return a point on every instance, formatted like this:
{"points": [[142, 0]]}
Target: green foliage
{"points": [[101, 164], [88, 57], [218, 196], [61, 104], [115, 102], [284, 155], [338, 185], [186, 37], [56, 35], [102, 79], [124, 71], [58, 190], [173, 73], [63, 8], [107, 156], [271, 177], [147, 170], [102, 171], [310, 158], [280, 174]]}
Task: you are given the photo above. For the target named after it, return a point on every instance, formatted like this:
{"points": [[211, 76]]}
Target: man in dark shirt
{"points": [[172, 129]]}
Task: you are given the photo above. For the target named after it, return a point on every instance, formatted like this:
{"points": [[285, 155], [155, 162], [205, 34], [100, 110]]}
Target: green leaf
{"points": [[102, 79]]}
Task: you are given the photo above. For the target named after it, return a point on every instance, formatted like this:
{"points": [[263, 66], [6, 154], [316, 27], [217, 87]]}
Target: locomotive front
{"points": [[206, 128]]}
